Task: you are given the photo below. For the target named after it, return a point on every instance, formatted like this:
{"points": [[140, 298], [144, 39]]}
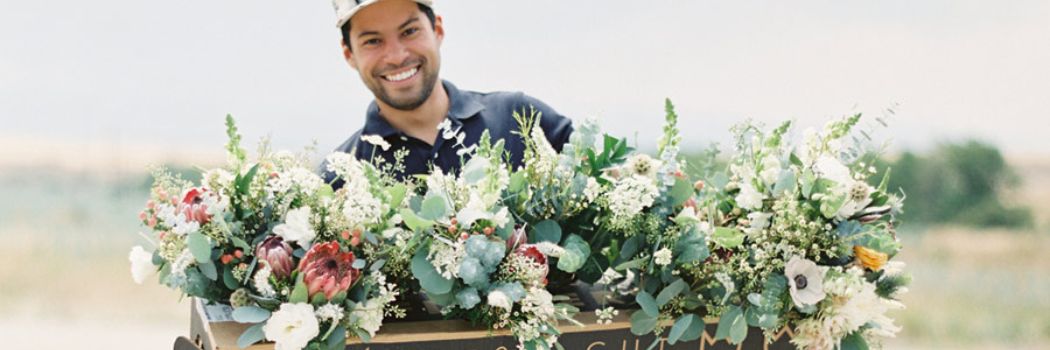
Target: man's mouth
{"points": [[401, 76]]}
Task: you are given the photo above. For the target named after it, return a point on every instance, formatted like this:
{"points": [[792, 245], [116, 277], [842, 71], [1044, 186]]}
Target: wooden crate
{"points": [[211, 328]]}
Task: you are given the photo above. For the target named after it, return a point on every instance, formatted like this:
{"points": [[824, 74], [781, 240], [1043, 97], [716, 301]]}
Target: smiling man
{"points": [[395, 45]]}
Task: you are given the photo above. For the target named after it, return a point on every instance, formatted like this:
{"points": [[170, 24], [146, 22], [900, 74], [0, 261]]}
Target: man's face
{"points": [[395, 51]]}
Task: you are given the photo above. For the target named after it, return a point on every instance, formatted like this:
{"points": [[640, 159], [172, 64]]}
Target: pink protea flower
{"points": [[533, 253], [192, 206], [325, 269], [278, 253]]}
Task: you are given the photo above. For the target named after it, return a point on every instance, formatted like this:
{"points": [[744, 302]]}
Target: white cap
{"points": [[344, 9]]}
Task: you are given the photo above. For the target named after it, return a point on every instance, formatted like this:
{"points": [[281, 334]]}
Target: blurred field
{"points": [[65, 282]]}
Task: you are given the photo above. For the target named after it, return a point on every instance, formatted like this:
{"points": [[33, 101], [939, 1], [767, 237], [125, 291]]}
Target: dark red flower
{"points": [[278, 253], [192, 206]]}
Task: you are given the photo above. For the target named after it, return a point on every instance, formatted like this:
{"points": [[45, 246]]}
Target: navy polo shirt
{"points": [[469, 112]]}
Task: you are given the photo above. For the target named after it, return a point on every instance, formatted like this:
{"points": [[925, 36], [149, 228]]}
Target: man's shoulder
{"points": [[500, 107]]}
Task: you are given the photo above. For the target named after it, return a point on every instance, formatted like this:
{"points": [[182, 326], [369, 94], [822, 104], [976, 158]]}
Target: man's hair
{"points": [[429, 12]]}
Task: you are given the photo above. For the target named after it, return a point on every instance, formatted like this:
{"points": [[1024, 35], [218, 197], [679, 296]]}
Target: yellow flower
{"points": [[870, 259]]}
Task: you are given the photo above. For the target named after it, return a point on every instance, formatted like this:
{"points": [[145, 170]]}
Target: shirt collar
{"points": [[462, 106]]}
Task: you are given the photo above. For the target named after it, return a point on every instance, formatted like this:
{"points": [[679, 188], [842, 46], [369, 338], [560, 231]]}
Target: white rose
{"points": [[292, 326], [499, 299], [296, 227], [141, 264]]}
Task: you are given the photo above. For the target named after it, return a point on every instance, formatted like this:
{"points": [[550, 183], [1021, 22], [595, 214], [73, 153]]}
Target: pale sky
{"points": [[166, 73]]}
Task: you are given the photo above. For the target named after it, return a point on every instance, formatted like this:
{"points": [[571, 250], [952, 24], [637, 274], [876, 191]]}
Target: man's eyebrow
{"points": [[409, 21], [402, 26]]}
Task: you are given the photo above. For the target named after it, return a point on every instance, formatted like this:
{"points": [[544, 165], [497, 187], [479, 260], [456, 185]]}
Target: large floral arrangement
{"points": [[303, 263], [788, 234], [795, 236]]}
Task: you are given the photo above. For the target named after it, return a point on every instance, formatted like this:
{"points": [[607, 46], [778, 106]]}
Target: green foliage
{"points": [[252, 335], [233, 146], [671, 136], [732, 326], [687, 328], [428, 276], [959, 183]]}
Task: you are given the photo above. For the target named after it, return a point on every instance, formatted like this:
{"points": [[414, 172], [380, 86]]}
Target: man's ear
{"points": [[439, 29], [347, 54]]}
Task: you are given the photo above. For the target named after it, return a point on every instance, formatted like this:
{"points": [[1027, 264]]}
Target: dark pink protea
{"points": [[533, 253], [278, 253], [192, 206], [327, 270]]}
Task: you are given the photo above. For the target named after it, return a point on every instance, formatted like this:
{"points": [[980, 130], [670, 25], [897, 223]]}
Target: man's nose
{"points": [[397, 53]]}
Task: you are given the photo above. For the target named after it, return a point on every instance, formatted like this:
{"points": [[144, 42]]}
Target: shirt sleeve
{"points": [[556, 126]]}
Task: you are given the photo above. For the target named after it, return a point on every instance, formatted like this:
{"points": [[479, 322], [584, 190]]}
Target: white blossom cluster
{"points": [[447, 257], [630, 195]]}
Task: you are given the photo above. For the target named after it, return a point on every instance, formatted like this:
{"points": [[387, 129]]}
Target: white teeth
{"points": [[402, 76]]}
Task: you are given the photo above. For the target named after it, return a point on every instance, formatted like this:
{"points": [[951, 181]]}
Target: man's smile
{"points": [[399, 76]]}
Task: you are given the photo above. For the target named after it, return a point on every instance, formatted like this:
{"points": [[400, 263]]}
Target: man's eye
{"points": [[371, 42], [410, 31]]}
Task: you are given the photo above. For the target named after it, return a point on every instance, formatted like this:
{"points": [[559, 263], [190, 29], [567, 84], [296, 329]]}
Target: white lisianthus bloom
{"points": [[806, 279], [292, 326], [296, 226], [770, 170], [662, 257], [749, 197], [830, 168], [141, 264], [474, 210], [499, 299], [376, 140]]}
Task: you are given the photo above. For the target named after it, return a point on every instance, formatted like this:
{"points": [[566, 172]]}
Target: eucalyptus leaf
{"points": [[545, 231], [414, 222], [199, 246], [686, 328], [681, 191], [252, 335], [433, 208], [250, 314], [648, 304], [428, 276], [208, 270], [671, 291], [729, 325], [642, 323]]}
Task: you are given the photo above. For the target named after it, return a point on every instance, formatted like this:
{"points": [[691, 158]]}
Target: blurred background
{"points": [[94, 93]]}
